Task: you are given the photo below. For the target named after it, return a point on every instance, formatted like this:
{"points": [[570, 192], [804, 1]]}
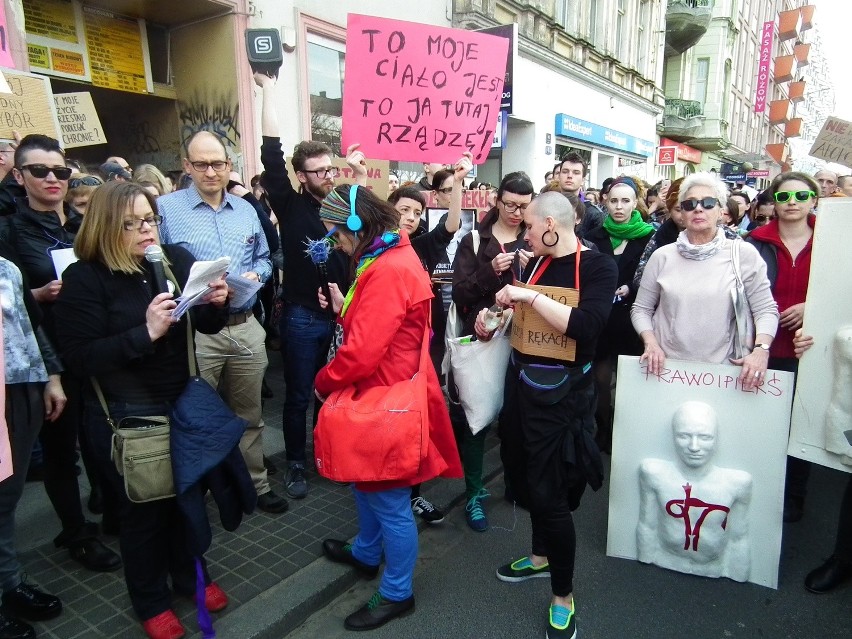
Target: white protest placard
{"points": [[699, 500], [821, 429], [78, 120], [834, 142]]}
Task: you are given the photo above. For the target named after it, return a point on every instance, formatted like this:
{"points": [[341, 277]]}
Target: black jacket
{"points": [[474, 281], [34, 234], [10, 190], [100, 322], [298, 219], [592, 220]]}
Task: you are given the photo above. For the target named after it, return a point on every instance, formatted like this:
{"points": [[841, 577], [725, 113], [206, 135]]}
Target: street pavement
{"points": [[280, 586], [457, 594]]}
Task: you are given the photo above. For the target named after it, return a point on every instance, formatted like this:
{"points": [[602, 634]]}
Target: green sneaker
{"points": [[521, 570], [560, 623]]}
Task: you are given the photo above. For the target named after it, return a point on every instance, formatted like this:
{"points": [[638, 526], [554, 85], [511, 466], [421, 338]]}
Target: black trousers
{"points": [[843, 545], [798, 470], [534, 425], [152, 535]]}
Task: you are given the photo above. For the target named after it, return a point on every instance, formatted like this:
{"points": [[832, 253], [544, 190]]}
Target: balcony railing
{"points": [[683, 108], [692, 4], [686, 22]]}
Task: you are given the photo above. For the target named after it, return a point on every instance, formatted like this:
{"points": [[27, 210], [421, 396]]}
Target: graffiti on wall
{"points": [[149, 140], [214, 113]]}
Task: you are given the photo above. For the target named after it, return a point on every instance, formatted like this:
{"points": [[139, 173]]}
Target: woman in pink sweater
{"points": [[684, 309]]}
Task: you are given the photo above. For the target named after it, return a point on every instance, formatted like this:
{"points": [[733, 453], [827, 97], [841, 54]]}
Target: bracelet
{"points": [[534, 299]]}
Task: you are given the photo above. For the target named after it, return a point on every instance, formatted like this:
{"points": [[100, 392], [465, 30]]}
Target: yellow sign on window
{"points": [[51, 19], [116, 56], [67, 62], [39, 56]]}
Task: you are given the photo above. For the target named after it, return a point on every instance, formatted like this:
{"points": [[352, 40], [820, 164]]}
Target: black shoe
{"points": [[11, 628], [272, 503], [377, 612], [32, 604], [794, 508], [96, 500], [92, 554], [828, 576], [341, 552], [269, 465]]}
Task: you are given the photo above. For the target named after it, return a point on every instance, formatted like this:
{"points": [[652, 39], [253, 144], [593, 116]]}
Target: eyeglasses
{"points": [[41, 171], [89, 180], [511, 207], [324, 173], [692, 203], [445, 191], [137, 223], [801, 196], [218, 165]]}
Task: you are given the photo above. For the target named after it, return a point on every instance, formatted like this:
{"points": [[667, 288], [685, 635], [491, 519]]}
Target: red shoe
{"points": [[214, 597], [164, 626]]}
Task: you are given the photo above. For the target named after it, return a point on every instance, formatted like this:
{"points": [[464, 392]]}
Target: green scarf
{"points": [[633, 229], [385, 241]]}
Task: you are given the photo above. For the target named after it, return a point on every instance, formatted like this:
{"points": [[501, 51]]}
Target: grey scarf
{"points": [[700, 252]]}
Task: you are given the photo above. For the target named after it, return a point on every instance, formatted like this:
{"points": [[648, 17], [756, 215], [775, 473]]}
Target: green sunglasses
{"points": [[801, 196]]}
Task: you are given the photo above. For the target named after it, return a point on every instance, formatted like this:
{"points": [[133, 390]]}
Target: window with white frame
{"points": [[621, 40], [325, 88], [702, 73]]}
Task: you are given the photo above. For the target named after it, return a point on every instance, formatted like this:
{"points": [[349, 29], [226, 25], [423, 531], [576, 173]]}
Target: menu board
{"points": [[116, 51], [55, 41]]}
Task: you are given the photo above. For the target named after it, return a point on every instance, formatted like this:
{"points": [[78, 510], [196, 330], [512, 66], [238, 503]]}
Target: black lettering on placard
{"points": [[399, 37], [370, 33]]}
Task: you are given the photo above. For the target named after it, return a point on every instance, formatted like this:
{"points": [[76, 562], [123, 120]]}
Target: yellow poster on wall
{"points": [[116, 51], [56, 44], [53, 19]]}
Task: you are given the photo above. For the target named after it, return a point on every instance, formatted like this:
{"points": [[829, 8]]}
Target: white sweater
{"points": [[687, 303]]}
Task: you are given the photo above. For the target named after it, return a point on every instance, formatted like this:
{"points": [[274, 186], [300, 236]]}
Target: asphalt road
{"points": [[458, 595]]}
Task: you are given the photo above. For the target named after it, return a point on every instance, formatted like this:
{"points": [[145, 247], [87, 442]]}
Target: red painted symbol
{"points": [[679, 509]]}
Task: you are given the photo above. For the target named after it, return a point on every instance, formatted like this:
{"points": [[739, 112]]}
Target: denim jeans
{"points": [[386, 525], [305, 337]]}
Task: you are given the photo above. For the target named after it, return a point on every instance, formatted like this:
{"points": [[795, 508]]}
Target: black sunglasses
{"points": [[706, 203], [41, 171]]}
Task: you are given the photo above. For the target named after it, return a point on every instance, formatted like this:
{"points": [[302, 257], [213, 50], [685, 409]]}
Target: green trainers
{"points": [[560, 623], [521, 570]]}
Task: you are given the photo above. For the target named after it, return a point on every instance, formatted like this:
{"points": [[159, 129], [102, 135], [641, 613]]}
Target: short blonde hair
{"points": [[101, 235], [148, 174], [704, 179]]}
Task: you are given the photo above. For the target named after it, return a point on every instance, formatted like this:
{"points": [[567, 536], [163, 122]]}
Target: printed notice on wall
{"points": [[421, 93], [78, 120], [55, 41], [117, 51], [29, 108]]}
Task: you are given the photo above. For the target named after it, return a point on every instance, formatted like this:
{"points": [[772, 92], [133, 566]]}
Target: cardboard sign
{"points": [[6, 469], [834, 142], [421, 93], [821, 427], [533, 335], [78, 120], [377, 175], [476, 199], [29, 109], [715, 508]]}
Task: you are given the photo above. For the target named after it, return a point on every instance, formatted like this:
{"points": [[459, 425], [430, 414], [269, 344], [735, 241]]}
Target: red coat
{"points": [[382, 339]]}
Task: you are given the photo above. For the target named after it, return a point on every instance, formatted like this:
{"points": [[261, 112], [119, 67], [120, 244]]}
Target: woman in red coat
{"points": [[385, 316]]}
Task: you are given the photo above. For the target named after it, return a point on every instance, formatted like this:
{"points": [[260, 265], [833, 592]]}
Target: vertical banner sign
{"points": [[420, 93], [763, 67], [78, 120]]}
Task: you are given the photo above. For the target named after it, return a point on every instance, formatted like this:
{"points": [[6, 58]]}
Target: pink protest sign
{"points": [[420, 93], [5, 55]]}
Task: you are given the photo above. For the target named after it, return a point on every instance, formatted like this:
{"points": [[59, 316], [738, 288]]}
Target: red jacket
{"points": [[382, 339]]}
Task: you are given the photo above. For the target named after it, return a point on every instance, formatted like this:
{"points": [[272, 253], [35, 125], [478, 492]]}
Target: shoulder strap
{"points": [[735, 260], [474, 236]]}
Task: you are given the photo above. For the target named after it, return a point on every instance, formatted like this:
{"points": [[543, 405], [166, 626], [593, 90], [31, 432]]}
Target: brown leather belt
{"points": [[238, 318]]}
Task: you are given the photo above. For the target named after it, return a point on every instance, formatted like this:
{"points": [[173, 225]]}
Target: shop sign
{"points": [[758, 173], [763, 67], [510, 32], [571, 127], [666, 155], [683, 152], [500, 131]]}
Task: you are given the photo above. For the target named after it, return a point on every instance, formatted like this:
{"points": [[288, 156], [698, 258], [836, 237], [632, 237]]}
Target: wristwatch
{"points": [[762, 345]]}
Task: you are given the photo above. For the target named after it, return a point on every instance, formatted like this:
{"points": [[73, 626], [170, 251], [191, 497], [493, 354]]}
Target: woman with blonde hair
{"points": [[151, 178]]}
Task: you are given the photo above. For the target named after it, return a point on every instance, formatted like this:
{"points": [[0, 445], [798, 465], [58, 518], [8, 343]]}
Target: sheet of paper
{"points": [[62, 259], [200, 275], [242, 290]]}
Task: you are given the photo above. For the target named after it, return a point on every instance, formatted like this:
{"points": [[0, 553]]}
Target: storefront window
{"points": [[325, 87]]}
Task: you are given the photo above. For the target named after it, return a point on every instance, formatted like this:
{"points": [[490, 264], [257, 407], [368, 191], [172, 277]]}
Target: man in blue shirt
{"points": [[210, 223]]}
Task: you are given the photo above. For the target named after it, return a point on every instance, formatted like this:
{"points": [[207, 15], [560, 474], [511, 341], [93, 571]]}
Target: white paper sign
{"points": [[822, 409], [242, 290], [200, 275], [714, 510], [62, 259]]}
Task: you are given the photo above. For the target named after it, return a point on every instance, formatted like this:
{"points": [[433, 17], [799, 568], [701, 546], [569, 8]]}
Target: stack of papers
{"points": [[200, 276]]}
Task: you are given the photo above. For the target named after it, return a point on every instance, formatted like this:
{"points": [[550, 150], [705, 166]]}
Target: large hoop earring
{"points": [[555, 242]]}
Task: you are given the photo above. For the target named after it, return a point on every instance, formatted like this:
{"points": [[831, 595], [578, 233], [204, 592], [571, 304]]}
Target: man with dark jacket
{"points": [[306, 329], [571, 172]]}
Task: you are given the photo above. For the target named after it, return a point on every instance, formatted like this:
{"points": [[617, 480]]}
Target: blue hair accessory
{"points": [[353, 222]]}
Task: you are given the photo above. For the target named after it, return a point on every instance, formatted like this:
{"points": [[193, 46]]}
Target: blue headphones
{"points": [[353, 222]]}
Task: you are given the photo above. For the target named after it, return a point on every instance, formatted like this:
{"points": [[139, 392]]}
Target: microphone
{"points": [[154, 255], [318, 251]]}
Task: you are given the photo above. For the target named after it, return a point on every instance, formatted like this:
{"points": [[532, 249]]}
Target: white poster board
{"points": [[698, 529], [821, 414], [78, 120]]}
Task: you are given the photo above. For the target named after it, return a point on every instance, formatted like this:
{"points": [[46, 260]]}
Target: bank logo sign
{"points": [[577, 129]]}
